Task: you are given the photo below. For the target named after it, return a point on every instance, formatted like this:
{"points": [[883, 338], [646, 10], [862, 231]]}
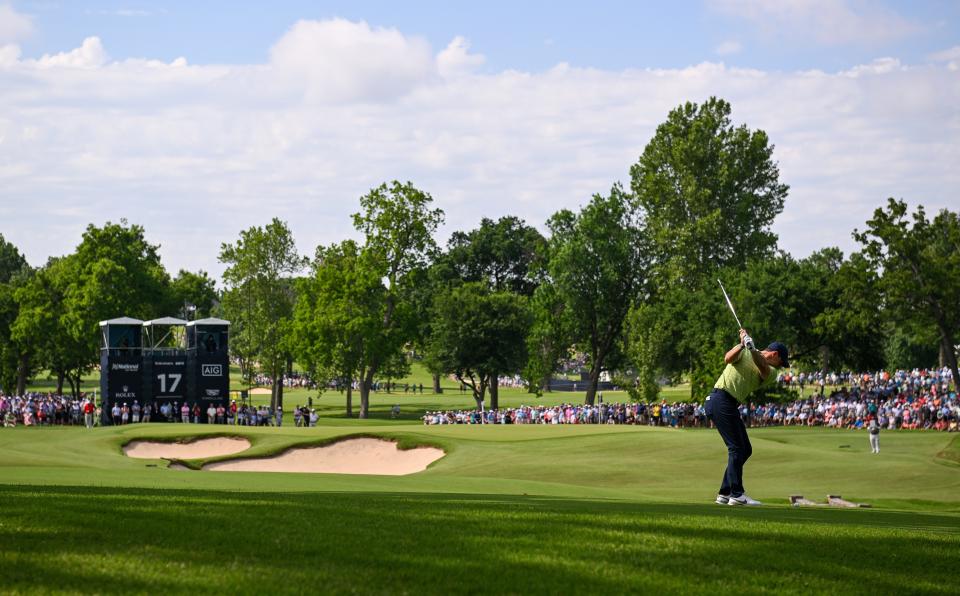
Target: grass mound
{"points": [[952, 451]]}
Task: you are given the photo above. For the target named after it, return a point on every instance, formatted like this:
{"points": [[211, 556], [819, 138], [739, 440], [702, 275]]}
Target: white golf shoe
{"points": [[722, 500], [743, 500]]}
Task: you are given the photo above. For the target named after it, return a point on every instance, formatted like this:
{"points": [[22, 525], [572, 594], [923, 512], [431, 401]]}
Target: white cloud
{"points": [[456, 58], [728, 47], [342, 60], [14, 26], [878, 66], [196, 153], [9, 55], [950, 56], [830, 22], [90, 54], [946, 55]]}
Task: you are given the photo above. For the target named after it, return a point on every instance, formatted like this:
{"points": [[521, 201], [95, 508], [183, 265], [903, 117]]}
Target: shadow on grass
{"points": [[951, 454], [135, 540]]}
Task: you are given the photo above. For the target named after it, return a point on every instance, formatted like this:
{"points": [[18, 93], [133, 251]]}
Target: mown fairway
{"points": [[509, 509]]}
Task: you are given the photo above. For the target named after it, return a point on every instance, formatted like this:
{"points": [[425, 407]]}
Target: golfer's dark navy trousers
{"points": [[723, 409]]}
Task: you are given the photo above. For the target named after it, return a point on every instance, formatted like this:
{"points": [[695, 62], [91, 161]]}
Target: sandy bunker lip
{"points": [[351, 456], [199, 449]]}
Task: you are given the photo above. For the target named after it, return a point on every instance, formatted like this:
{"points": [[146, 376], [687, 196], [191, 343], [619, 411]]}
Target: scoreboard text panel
{"points": [[168, 378]]}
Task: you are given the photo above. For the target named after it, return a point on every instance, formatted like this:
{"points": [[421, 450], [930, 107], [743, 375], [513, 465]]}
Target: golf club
{"points": [[748, 341]]}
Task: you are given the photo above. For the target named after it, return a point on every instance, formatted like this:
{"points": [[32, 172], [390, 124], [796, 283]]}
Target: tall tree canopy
{"points": [[398, 224], [505, 255], [919, 264], [502, 256], [194, 290], [259, 300], [479, 334], [16, 356], [12, 261], [117, 273], [599, 267], [114, 271], [337, 317], [710, 192], [43, 321]]}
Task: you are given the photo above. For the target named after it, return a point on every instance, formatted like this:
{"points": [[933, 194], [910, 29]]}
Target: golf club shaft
{"points": [[730, 304]]}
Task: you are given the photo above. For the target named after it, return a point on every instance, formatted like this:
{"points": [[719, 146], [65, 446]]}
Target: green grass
{"points": [[114, 540], [518, 509]]}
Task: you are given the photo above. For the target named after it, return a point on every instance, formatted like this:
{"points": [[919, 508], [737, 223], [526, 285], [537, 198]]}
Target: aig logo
{"points": [[212, 370]]}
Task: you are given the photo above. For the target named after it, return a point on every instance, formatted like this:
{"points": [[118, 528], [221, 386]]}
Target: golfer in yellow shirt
{"points": [[746, 370]]}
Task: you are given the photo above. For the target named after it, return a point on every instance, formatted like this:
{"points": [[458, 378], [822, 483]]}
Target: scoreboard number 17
{"points": [[174, 382]]}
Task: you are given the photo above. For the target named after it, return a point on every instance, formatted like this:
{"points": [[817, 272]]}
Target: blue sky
{"points": [[529, 35], [200, 119]]}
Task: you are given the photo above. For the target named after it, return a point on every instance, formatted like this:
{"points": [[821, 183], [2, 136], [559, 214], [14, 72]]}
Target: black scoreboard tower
{"points": [[208, 362], [162, 361], [121, 364], [165, 365]]}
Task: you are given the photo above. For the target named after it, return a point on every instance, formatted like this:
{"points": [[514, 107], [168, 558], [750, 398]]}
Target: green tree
{"points": [[850, 323], [336, 317], [809, 306], [599, 266], [910, 345], [478, 335], [114, 271], [919, 261], [261, 267], [196, 292], [549, 339], [17, 360], [398, 226], [504, 255], [817, 306], [422, 287], [12, 261], [710, 192], [117, 273], [42, 321]]}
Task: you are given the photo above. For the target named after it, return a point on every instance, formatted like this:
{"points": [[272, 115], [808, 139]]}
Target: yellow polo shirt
{"points": [[742, 377]]}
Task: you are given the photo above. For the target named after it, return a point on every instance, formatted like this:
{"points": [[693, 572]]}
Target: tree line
{"points": [[627, 282]]}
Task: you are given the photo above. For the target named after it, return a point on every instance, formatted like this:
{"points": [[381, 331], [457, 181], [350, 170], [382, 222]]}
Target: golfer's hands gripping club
{"points": [[746, 340]]}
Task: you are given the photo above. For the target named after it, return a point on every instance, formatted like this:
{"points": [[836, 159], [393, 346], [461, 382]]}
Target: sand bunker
{"points": [[352, 456], [200, 449]]}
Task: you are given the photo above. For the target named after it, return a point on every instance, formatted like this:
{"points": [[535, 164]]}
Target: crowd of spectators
{"points": [[294, 380], [917, 399], [302, 380], [41, 409], [678, 415]]}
